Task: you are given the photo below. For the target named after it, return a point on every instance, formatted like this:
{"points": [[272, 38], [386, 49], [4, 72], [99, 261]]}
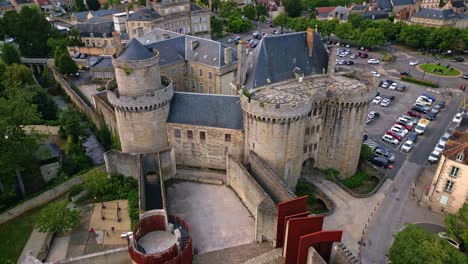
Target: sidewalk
{"points": [[351, 214]]}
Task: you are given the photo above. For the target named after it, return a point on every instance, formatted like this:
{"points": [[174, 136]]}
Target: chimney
{"points": [[331, 62], [310, 41], [193, 44], [148, 4], [139, 32], [227, 56], [241, 56], [117, 43], [128, 12]]}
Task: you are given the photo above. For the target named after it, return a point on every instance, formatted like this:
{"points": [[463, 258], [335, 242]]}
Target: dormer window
{"points": [[459, 157]]}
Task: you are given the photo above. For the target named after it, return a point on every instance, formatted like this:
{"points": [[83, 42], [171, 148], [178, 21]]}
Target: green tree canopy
{"points": [[293, 7], [261, 10], [355, 20], [66, 65], [228, 8], [281, 20], [457, 224], [372, 37], [249, 11], [215, 5], [238, 25], [71, 124], [93, 4], [345, 31], [80, 6], [366, 152], [10, 54], [416, 245], [217, 26], [56, 217]]}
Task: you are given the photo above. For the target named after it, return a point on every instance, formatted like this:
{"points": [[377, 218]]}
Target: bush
{"points": [[75, 190], [387, 57], [133, 210], [356, 180], [305, 188], [419, 81], [331, 174], [56, 217], [366, 152]]}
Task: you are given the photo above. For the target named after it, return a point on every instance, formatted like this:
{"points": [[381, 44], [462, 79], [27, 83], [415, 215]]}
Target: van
{"points": [[421, 126]]}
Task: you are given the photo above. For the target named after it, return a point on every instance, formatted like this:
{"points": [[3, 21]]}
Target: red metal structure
{"points": [[288, 208]]}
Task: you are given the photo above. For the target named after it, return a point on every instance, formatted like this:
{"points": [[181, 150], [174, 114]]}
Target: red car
{"points": [[394, 135], [414, 114], [407, 127], [364, 55]]}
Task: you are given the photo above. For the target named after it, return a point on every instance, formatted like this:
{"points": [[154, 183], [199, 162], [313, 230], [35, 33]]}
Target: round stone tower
{"points": [[141, 98], [345, 111], [274, 121]]}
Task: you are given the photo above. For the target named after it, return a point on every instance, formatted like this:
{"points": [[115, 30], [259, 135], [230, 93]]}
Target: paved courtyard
{"points": [[217, 217]]}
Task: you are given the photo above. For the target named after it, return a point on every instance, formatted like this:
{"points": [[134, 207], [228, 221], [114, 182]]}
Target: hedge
{"points": [[356, 180], [419, 81]]}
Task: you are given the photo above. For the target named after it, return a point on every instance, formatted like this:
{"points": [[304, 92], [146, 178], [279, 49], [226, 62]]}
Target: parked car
{"points": [[431, 116], [401, 88], [383, 152], [398, 131], [407, 146], [440, 146], [420, 105], [385, 85], [230, 40], [414, 62], [418, 109], [405, 74], [381, 162], [377, 100], [441, 104], [457, 118], [434, 156], [373, 61], [458, 59], [77, 55], [406, 125], [435, 109], [402, 128], [413, 137], [385, 102], [465, 76], [444, 138], [451, 241], [390, 139], [411, 120], [364, 55], [414, 114], [375, 74], [431, 97], [394, 135], [372, 116], [349, 62]]}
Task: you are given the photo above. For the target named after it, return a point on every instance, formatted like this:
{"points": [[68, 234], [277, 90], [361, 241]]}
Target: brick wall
{"points": [[257, 201], [208, 153]]}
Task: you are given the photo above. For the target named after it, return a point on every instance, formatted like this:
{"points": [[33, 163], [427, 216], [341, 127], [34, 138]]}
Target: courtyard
{"points": [[217, 217]]}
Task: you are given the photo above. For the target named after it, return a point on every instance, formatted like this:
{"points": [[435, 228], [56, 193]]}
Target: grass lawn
{"points": [[15, 233], [439, 70]]}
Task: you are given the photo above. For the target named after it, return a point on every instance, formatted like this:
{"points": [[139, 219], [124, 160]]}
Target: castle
{"points": [[292, 109]]}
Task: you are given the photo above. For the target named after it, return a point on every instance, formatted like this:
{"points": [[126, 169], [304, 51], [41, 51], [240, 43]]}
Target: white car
{"points": [[373, 61], [440, 146], [390, 139], [457, 118], [407, 146], [377, 100], [393, 86], [385, 102], [422, 102], [452, 242], [434, 157], [414, 62], [353, 56], [385, 85], [375, 74], [399, 132], [404, 130]]}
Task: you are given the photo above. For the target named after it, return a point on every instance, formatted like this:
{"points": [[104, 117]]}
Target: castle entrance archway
{"points": [[308, 165]]}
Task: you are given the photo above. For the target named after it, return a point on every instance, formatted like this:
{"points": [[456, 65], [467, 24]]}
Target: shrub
{"points": [[387, 57], [56, 217], [356, 180], [331, 174], [133, 210], [419, 81], [366, 152], [75, 190], [305, 188]]}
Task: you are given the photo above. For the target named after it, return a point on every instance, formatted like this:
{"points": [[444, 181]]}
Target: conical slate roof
{"points": [[134, 50]]}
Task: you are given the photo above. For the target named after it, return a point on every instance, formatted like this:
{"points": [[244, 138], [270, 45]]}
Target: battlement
{"points": [[148, 102]]}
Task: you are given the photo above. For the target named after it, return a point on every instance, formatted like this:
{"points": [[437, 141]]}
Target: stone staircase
{"points": [[272, 256]]}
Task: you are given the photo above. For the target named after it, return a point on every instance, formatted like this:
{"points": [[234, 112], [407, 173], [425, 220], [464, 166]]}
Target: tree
{"points": [[262, 18], [366, 152], [216, 26], [93, 4], [282, 20], [238, 25], [10, 54], [56, 217], [110, 3], [457, 224], [71, 124], [80, 6], [215, 5], [95, 182], [261, 10], [414, 35], [228, 8], [416, 245], [249, 11], [16, 75], [372, 37], [66, 65], [46, 105], [355, 20], [345, 31], [326, 28], [293, 7], [75, 157]]}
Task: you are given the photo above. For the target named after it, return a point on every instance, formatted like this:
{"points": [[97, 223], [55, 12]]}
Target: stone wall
{"points": [[257, 201], [122, 163], [270, 182], [105, 109], [39, 200], [113, 256], [204, 153]]}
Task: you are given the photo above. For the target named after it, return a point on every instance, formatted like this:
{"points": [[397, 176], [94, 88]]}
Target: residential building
{"points": [[96, 35], [449, 188], [119, 21], [180, 16], [341, 13], [358, 9], [323, 12], [430, 4], [398, 5], [6, 5], [18, 4], [439, 18], [80, 17], [375, 14], [102, 69], [384, 5], [44, 5], [459, 6]]}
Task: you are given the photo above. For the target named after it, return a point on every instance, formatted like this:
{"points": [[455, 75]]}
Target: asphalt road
{"points": [[384, 224]]}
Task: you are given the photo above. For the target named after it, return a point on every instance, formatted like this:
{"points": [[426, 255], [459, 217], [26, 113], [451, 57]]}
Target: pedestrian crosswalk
{"points": [[371, 143]]}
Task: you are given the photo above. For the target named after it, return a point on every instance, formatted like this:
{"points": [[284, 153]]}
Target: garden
{"points": [[439, 70]]}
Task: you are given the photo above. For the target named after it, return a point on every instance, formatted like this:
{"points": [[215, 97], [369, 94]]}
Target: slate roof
{"points": [[98, 13], [170, 51], [438, 14], [206, 52], [144, 14], [103, 62], [375, 14], [384, 4], [458, 4], [402, 2], [339, 10], [97, 20], [276, 57], [194, 7], [222, 111], [98, 29], [134, 50]]}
